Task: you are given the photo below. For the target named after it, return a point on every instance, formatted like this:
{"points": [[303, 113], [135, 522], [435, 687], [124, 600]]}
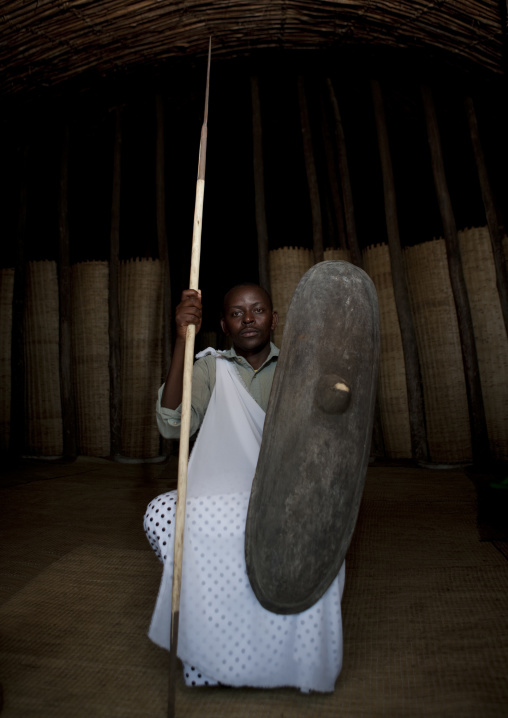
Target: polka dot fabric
{"points": [[159, 524], [225, 635], [194, 678]]}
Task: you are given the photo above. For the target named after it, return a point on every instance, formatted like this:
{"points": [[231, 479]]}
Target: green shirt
{"points": [[258, 384]]}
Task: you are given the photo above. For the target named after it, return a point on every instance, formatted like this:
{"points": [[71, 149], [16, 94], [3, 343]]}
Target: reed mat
{"points": [[424, 610]]}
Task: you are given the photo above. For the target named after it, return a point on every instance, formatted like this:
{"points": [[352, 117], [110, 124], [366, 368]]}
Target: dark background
{"points": [[31, 141]]}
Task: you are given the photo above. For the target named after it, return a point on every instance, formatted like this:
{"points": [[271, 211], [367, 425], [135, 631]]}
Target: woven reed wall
{"points": [[490, 334], [392, 392], [141, 297], [341, 255], [6, 291], [42, 363], [287, 267], [141, 318], [90, 348], [437, 333]]}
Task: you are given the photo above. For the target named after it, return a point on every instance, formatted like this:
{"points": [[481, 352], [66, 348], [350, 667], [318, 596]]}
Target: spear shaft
{"points": [[183, 457]]}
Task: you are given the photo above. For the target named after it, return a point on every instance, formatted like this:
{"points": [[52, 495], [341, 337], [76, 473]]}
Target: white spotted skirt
{"points": [[225, 635]]}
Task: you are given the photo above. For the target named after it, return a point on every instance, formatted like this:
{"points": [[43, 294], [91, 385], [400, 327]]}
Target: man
{"points": [[248, 319], [225, 635]]}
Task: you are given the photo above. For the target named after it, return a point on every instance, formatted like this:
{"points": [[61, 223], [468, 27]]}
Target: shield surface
{"points": [[313, 459]]}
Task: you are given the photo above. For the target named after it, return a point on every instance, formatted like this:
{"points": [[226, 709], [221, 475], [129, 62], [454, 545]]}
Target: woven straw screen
{"points": [[42, 363], [141, 296], [341, 255], [437, 334], [490, 333], [6, 291], [90, 349], [392, 391], [287, 267]]}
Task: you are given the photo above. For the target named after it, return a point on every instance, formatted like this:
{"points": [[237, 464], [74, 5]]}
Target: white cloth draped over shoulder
{"points": [[223, 630], [224, 457]]}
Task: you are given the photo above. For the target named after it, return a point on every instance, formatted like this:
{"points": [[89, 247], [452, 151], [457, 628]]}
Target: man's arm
{"points": [[203, 381]]}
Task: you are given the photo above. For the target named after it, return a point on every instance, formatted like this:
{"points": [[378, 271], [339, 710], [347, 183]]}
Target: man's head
{"points": [[248, 319]]}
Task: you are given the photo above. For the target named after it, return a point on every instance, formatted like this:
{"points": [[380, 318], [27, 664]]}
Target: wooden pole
{"points": [[68, 401], [115, 394], [491, 211], [183, 458], [478, 423], [378, 445], [418, 432], [310, 167], [332, 178], [162, 240], [18, 425], [329, 230], [345, 179], [259, 186]]}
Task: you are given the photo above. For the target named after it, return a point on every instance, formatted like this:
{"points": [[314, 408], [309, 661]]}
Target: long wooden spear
{"points": [[183, 457]]}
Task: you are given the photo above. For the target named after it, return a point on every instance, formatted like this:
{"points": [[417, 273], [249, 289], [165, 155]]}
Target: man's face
{"points": [[248, 318]]}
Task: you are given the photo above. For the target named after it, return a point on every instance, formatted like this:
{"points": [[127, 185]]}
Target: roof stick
{"points": [[183, 457]]}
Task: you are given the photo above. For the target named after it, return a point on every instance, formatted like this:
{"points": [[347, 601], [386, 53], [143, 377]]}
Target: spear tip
{"points": [[208, 79]]}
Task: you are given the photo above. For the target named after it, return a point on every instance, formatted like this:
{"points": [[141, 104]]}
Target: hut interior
{"points": [[367, 131]]}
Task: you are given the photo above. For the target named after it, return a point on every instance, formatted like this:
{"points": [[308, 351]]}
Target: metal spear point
{"points": [[183, 457]]}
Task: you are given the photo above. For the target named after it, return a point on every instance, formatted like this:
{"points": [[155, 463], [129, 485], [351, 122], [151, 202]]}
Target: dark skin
{"points": [[248, 319]]}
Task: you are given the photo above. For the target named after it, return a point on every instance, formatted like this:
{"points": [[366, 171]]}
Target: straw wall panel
{"points": [[6, 292], [141, 302], [392, 390], [490, 333], [90, 348], [287, 267], [437, 333], [341, 255], [42, 364]]}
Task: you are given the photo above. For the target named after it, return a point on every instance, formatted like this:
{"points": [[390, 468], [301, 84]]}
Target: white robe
{"points": [[224, 632]]}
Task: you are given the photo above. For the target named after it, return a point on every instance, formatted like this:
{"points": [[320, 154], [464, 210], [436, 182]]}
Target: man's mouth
{"points": [[249, 332]]}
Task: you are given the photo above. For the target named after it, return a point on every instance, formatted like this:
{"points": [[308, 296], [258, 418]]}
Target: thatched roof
{"points": [[46, 42]]}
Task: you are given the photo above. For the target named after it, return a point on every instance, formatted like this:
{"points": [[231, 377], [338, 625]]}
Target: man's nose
{"points": [[248, 318]]}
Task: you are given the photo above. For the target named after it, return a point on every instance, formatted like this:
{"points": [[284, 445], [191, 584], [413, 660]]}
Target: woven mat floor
{"points": [[425, 619]]}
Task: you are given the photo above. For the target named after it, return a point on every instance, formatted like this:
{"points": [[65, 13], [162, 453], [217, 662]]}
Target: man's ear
{"points": [[224, 326], [275, 320]]}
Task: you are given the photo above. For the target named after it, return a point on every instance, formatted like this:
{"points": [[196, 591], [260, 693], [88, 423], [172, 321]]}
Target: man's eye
{"points": [[259, 310]]}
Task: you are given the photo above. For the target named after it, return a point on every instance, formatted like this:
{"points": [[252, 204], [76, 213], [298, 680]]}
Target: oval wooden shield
{"points": [[313, 459]]}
